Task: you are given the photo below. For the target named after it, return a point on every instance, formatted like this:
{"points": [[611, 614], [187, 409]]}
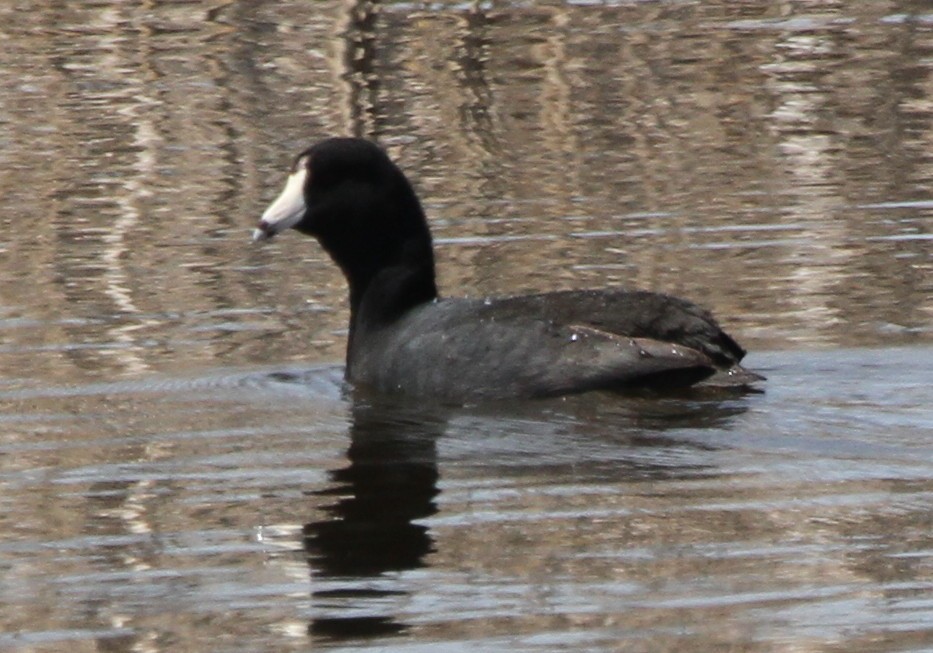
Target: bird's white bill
{"points": [[287, 209]]}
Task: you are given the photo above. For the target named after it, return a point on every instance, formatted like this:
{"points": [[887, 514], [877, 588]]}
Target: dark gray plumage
{"points": [[358, 204]]}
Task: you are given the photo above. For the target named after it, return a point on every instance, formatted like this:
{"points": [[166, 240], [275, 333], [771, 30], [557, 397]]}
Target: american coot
{"points": [[348, 194]]}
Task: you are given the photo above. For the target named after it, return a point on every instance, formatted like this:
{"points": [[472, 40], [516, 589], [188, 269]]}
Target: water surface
{"points": [[182, 467]]}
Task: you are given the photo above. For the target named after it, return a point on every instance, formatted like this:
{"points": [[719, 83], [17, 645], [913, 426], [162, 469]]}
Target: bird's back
{"points": [[541, 345]]}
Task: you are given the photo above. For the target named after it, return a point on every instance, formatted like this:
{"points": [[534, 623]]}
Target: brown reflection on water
{"points": [[767, 160], [772, 160]]}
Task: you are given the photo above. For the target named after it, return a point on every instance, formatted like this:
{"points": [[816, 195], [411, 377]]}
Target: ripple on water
{"points": [[323, 382]]}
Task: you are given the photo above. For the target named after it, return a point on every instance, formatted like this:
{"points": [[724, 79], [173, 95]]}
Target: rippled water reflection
{"points": [[182, 469]]}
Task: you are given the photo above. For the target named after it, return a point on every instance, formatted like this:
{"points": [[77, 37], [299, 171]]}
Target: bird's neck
{"points": [[402, 280]]}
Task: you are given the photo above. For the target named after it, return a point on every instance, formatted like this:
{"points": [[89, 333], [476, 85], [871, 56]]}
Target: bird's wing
{"points": [[597, 359]]}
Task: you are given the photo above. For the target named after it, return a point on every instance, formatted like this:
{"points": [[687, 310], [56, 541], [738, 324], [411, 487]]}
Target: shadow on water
{"points": [[372, 532]]}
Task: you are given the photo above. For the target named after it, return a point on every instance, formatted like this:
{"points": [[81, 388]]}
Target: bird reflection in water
{"points": [[371, 530], [370, 534]]}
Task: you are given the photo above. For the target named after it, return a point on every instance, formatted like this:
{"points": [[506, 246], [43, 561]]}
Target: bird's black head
{"points": [[359, 205]]}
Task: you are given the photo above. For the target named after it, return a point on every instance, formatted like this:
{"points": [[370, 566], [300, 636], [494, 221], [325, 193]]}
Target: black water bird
{"points": [[404, 338]]}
